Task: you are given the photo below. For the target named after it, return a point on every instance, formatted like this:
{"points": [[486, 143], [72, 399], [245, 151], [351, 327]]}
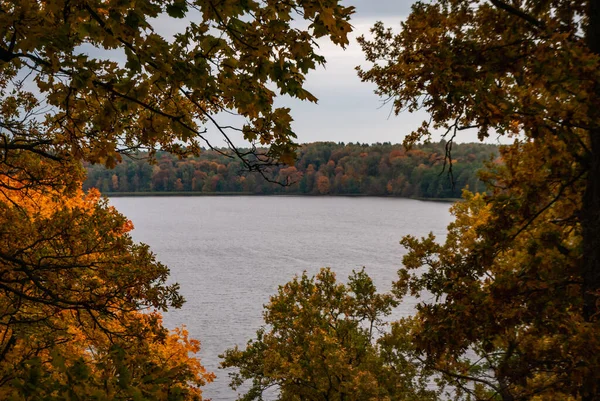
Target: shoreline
{"points": [[184, 193]]}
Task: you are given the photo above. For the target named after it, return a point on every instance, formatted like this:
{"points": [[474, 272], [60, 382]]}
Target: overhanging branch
{"points": [[519, 13]]}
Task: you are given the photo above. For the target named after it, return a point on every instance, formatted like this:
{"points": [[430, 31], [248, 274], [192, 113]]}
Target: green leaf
{"points": [[177, 10]]}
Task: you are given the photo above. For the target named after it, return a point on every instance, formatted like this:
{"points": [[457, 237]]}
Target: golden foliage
{"points": [[516, 283], [79, 300], [75, 294]]}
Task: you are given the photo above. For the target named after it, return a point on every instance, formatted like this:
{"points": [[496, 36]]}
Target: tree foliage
{"points": [[320, 345], [64, 92], [517, 281], [90, 80], [72, 289]]}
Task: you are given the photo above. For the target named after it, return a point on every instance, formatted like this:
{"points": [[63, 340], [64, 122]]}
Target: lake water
{"points": [[229, 254]]}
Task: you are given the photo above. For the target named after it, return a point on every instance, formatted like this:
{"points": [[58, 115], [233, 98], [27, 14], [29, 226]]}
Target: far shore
{"points": [[184, 193]]}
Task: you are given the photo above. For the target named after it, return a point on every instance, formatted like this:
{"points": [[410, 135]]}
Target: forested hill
{"points": [[321, 168]]}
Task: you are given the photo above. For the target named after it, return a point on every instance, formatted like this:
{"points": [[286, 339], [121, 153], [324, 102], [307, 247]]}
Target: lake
{"points": [[229, 254]]}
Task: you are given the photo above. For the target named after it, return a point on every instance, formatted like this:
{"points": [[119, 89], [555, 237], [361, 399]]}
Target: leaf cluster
{"points": [[95, 79], [320, 343]]}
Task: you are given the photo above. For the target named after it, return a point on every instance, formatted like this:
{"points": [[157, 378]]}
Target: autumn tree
{"points": [[319, 344], [72, 291], [323, 185], [417, 174], [168, 91], [91, 80], [518, 278]]}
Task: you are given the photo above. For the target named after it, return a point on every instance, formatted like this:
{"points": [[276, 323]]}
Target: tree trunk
{"points": [[590, 222], [590, 217]]}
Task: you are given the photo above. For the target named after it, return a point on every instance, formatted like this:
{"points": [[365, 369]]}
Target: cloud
{"points": [[380, 9], [348, 110]]}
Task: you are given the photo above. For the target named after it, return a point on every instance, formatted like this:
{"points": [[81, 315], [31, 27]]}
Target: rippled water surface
{"points": [[230, 253]]}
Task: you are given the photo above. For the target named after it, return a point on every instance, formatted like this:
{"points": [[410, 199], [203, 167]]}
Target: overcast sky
{"points": [[348, 110]]}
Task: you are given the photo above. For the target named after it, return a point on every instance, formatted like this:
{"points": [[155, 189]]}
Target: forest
{"points": [[322, 168]]}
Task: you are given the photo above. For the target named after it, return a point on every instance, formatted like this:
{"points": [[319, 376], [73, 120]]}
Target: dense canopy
{"points": [[518, 279], [91, 80]]}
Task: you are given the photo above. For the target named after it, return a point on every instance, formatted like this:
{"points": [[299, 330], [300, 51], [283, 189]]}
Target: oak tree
{"points": [[320, 344], [91, 80], [80, 302], [518, 279]]}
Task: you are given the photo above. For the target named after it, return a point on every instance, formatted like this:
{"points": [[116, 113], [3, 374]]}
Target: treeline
{"points": [[321, 168]]}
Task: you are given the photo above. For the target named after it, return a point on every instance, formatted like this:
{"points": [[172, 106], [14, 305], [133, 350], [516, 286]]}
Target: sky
{"points": [[348, 110]]}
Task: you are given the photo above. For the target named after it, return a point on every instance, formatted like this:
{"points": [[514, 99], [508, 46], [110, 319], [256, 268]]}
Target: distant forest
{"points": [[322, 168]]}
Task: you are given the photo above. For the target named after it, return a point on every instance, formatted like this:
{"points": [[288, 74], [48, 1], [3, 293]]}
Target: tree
{"points": [[320, 345], [168, 92], [79, 301], [531, 256], [467, 160], [323, 184], [72, 289]]}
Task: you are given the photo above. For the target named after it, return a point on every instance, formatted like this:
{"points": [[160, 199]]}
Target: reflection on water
{"points": [[230, 253]]}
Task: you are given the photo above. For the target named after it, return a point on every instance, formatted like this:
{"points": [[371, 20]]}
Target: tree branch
{"points": [[519, 13]]}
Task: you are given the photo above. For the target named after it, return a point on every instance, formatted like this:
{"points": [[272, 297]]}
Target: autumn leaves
{"points": [[80, 302]]}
